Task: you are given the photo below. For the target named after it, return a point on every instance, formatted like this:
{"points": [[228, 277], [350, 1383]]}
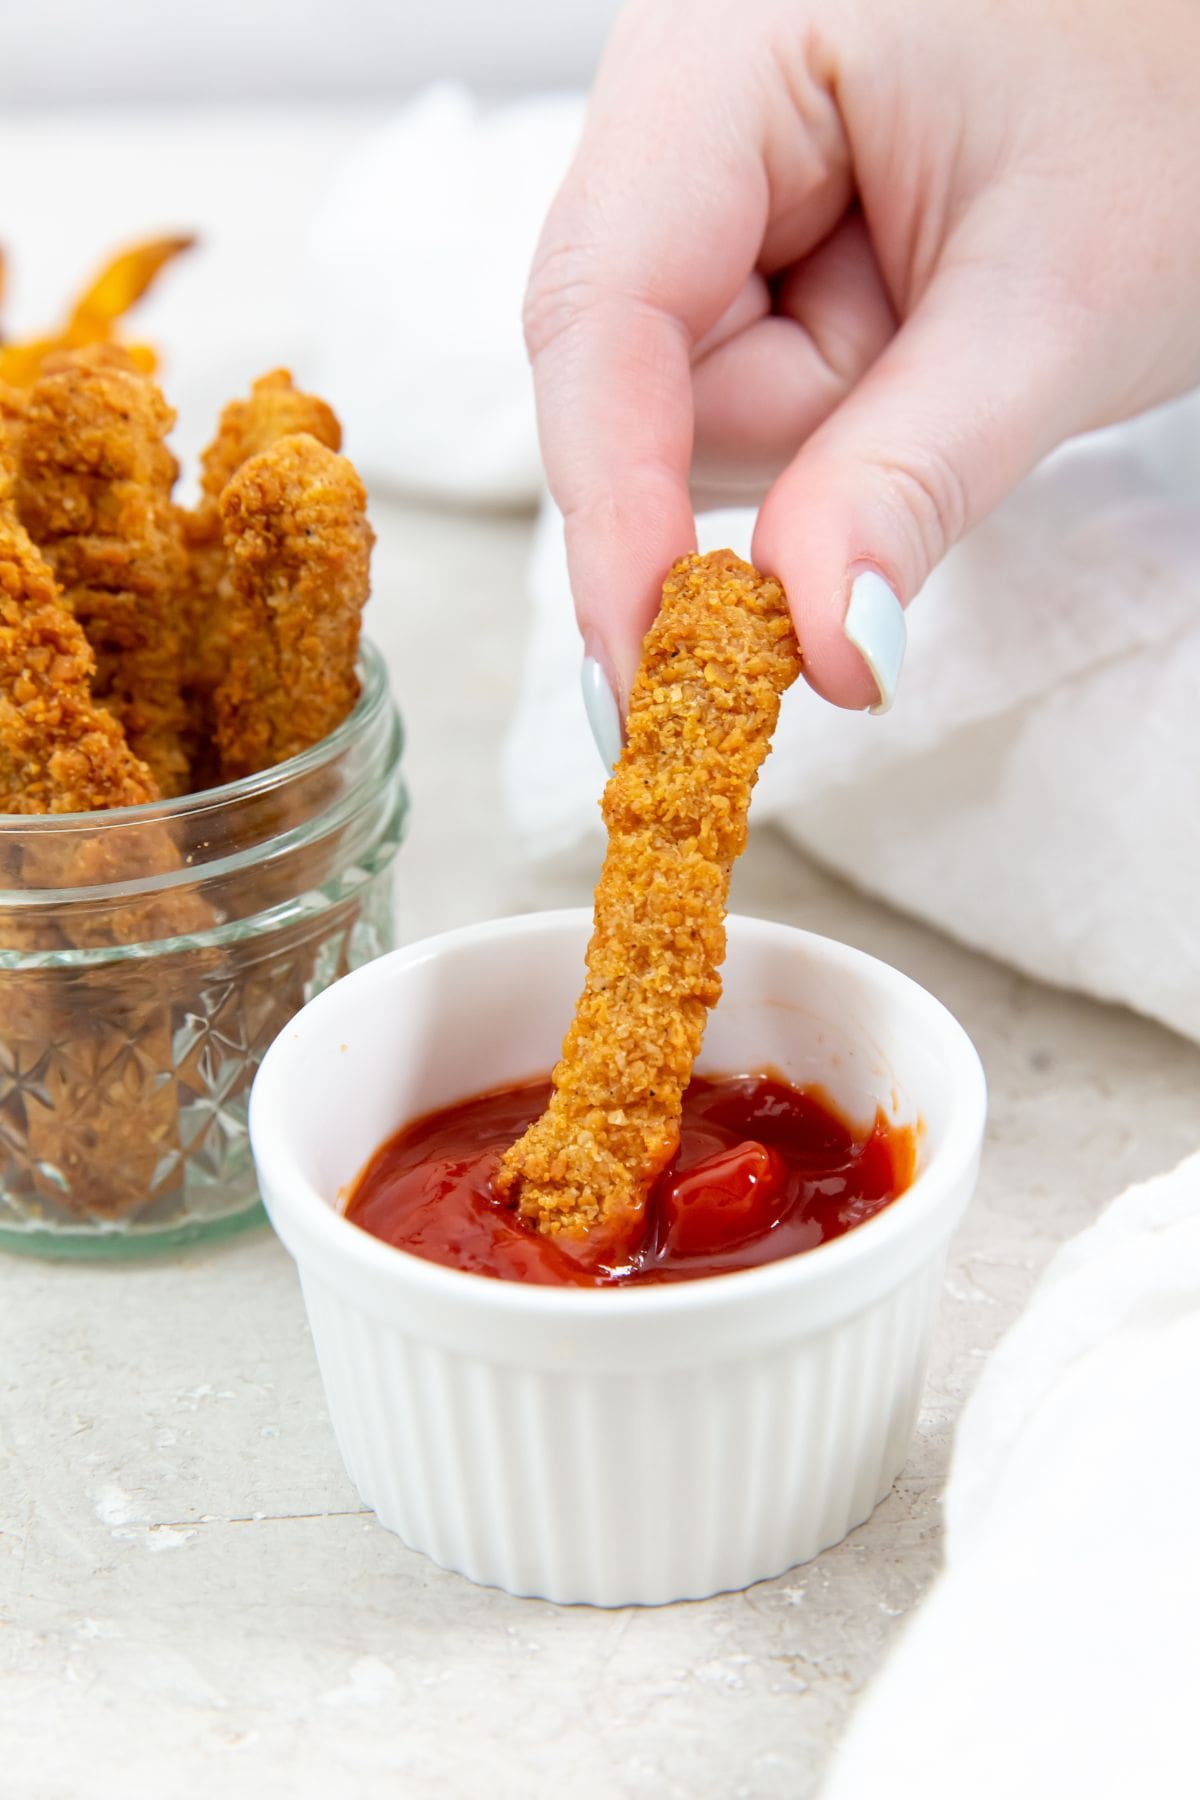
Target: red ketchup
{"points": [[763, 1170]]}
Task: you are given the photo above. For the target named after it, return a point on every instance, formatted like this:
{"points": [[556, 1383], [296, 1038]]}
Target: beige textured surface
{"points": [[194, 1602]]}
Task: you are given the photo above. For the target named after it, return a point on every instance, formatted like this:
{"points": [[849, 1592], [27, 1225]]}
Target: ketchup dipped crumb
{"points": [[763, 1170]]}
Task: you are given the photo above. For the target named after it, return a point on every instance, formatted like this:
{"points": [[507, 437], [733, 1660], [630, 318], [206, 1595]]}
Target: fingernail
{"points": [[601, 708], [874, 624]]}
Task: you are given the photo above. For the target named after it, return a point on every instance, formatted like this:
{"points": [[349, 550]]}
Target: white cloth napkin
{"points": [[1059, 1651], [1034, 791]]}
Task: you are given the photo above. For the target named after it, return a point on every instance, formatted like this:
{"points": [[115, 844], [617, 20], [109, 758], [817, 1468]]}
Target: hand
{"points": [[876, 256]]}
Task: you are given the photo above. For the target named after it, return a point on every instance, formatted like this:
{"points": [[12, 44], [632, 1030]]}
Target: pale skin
{"points": [[870, 259]]}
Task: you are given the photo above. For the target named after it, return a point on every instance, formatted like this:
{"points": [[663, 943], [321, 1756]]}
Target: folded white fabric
{"points": [[1058, 1653]]}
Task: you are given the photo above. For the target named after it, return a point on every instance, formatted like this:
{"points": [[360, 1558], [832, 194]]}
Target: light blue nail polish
{"points": [[601, 707], [874, 624]]}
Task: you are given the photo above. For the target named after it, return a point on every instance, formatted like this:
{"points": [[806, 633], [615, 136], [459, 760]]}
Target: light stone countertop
{"points": [[194, 1600]]}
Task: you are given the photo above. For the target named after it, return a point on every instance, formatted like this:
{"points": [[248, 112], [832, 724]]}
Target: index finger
{"points": [[649, 240]]}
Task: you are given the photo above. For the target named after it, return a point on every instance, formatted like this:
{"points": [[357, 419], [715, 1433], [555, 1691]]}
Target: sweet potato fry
{"points": [[703, 708], [297, 548], [96, 312], [118, 287], [94, 491]]}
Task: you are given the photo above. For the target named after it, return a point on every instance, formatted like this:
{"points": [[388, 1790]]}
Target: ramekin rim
{"points": [[333, 1232]]}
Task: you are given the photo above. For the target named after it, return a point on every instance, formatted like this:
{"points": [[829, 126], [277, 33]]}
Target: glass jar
{"points": [[148, 956]]}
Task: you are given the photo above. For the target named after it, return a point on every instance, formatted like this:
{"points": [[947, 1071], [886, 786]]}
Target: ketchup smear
{"points": [[763, 1170]]}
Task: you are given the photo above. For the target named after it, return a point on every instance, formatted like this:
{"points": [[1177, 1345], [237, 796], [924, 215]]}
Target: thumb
{"points": [[980, 383]]}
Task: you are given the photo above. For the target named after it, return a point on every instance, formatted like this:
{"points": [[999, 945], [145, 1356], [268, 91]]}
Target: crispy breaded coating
{"points": [[298, 550], [274, 408], [94, 491], [703, 707], [12, 409], [59, 751]]}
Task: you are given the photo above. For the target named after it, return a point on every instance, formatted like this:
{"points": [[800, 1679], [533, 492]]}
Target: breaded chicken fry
{"points": [[98, 1132], [59, 751], [97, 1124], [84, 467], [298, 549], [703, 707], [275, 408], [94, 491]]}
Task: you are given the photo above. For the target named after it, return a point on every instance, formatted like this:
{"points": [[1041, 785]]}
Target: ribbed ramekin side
{"points": [[623, 1489]]}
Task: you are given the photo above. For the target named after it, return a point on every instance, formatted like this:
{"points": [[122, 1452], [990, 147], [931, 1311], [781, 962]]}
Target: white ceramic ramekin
{"points": [[617, 1447]]}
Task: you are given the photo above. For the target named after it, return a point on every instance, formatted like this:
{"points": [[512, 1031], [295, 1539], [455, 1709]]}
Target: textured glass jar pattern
{"points": [[149, 955]]}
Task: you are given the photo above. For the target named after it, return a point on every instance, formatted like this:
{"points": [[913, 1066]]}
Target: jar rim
{"points": [[374, 695]]}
